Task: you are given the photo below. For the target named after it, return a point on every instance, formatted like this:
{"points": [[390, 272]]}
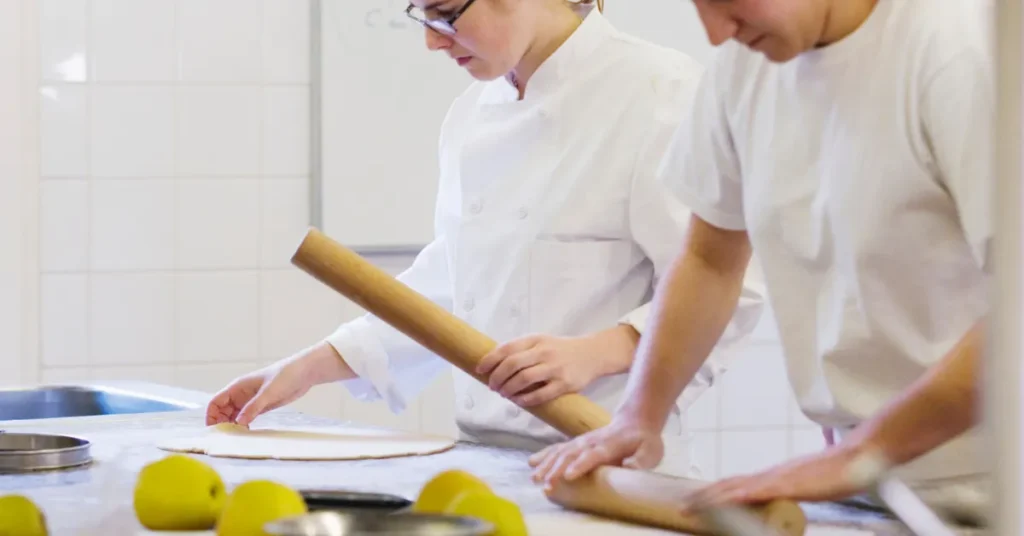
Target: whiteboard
{"points": [[383, 97]]}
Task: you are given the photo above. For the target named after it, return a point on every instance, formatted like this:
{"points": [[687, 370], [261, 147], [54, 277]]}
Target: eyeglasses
{"points": [[444, 25]]}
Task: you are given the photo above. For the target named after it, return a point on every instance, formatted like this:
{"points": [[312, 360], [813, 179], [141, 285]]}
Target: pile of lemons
{"points": [[459, 493], [180, 493], [19, 516]]}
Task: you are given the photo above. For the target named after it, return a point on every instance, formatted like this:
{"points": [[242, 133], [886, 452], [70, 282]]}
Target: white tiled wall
{"points": [[174, 163], [174, 160], [750, 420], [18, 162]]}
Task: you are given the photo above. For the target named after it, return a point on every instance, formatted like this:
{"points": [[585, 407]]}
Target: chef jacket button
{"points": [[475, 207], [469, 402], [514, 311], [469, 304], [523, 213], [515, 411]]}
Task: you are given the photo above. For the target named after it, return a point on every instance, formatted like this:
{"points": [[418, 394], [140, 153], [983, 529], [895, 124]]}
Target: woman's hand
{"points": [[276, 385], [539, 368], [624, 442]]}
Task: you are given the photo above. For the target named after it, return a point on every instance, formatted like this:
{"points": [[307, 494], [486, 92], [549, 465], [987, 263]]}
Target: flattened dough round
{"points": [[306, 443]]}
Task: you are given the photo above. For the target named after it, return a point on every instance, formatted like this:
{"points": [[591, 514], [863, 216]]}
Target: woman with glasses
{"points": [[550, 228]]}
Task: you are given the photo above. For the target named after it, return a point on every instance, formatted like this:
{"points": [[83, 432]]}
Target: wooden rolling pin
{"points": [[625, 494], [654, 500], [427, 323]]}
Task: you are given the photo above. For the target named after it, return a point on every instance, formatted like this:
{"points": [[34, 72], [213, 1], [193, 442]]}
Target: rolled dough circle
{"points": [[305, 443]]}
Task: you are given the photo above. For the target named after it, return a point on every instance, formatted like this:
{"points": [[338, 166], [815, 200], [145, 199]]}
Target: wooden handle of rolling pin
{"points": [[427, 323], [654, 500]]}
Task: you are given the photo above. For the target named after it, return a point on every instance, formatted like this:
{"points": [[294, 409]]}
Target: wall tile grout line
{"points": [[184, 176], [176, 184], [261, 154], [90, 63], [170, 271], [176, 82], [719, 395]]}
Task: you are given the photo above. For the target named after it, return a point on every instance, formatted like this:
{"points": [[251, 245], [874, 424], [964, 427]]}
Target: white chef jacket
{"points": [[549, 219], [862, 172]]}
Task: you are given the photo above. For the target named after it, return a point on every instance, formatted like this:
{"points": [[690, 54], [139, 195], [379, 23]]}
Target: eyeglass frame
{"points": [[444, 26]]}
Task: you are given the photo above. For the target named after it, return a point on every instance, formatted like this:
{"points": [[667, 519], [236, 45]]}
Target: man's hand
{"points": [[936, 408], [623, 442], [539, 368], [825, 476]]}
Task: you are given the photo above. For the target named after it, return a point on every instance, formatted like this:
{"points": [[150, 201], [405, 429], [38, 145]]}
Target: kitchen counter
{"points": [[97, 499]]}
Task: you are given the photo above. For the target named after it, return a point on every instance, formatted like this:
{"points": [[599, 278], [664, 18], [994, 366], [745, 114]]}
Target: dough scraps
{"points": [[229, 440]]}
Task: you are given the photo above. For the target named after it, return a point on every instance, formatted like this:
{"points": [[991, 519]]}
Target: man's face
{"points": [[780, 29]]}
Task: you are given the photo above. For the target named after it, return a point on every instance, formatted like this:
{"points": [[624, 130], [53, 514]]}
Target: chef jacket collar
{"points": [[563, 63]]}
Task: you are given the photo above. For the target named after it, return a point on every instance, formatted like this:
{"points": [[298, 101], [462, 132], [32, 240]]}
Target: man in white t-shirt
{"points": [[848, 144]]}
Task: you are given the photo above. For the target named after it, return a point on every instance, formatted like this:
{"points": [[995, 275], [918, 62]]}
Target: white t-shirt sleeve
{"points": [[703, 169], [659, 221], [958, 113]]}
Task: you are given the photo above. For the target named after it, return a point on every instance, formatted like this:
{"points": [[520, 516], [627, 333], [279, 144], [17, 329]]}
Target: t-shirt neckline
{"points": [[846, 47]]}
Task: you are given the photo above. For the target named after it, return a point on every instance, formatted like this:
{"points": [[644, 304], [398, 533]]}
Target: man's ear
{"points": [[582, 7]]}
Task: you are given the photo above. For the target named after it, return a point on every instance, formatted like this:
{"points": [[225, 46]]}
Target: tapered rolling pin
{"points": [[655, 500], [614, 492], [427, 323]]}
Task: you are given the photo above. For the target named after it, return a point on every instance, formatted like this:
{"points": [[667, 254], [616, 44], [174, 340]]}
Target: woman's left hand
{"points": [[539, 368]]}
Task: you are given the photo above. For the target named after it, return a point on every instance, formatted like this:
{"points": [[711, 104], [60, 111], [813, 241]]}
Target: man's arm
{"points": [[691, 309], [941, 405], [938, 407], [660, 217]]}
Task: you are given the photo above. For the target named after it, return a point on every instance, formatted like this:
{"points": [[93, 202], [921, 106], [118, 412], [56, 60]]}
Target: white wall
{"points": [[174, 187], [18, 150], [174, 160], [175, 167]]}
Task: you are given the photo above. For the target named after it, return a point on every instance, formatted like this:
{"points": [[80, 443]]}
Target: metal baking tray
{"points": [[353, 501], [23, 453], [367, 524]]}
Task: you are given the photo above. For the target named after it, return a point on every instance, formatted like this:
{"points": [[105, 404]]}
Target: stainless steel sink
{"points": [[52, 402]]}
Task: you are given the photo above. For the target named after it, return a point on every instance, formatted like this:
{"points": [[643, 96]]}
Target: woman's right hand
{"points": [[276, 385]]}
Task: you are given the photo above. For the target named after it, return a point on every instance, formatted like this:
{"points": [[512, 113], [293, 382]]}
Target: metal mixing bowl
{"points": [[366, 524]]}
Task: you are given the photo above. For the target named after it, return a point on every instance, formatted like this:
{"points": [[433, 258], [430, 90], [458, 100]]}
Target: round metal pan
{"points": [[23, 453], [353, 501], [353, 524]]}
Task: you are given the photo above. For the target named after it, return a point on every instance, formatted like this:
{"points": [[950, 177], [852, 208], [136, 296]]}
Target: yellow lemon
{"points": [[498, 511], [255, 503], [178, 493], [445, 486], [19, 516]]}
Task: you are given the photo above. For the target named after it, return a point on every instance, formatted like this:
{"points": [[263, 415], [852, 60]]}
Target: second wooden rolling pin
{"points": [[654, 500], [625, 494]]}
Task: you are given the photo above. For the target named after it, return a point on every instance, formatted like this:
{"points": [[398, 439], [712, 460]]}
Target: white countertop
{"points": [[97, 499]]}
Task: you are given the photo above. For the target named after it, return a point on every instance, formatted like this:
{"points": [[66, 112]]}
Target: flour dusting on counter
{"points": [[96, 500]]}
